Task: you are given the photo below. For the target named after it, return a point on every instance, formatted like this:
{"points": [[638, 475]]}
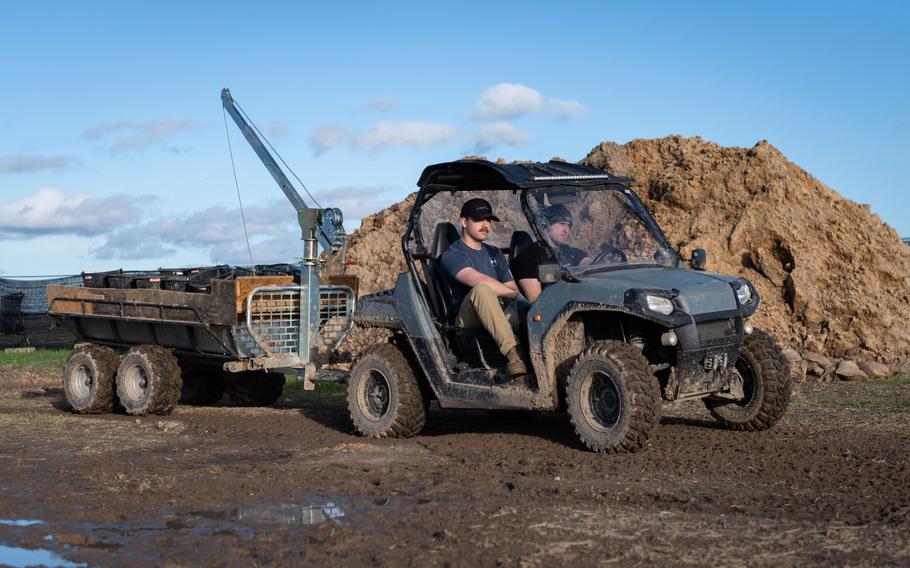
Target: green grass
{"points": [[36, 358], [325, 392], [899, 404], [900, 380]]}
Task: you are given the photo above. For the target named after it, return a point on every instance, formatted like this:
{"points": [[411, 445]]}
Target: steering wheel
{"points": [[606, 251]]}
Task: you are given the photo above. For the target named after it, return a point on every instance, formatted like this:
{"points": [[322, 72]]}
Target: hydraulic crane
{"points": [[318, 226]]}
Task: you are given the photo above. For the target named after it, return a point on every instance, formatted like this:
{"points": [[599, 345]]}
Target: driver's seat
{"points": [[441, 293]]}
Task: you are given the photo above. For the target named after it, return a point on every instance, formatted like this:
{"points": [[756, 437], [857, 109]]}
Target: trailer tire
{"points": [[202, 384], [148, 381], [88, 379], [766, 386], [254, 388], [612, 397], [385, 398]]}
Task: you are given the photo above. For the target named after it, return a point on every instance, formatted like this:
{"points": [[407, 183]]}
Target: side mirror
{"points": [[549, 273], [699, 259]]}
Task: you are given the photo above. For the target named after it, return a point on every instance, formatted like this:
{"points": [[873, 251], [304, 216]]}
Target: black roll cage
{"points": [[494, 177]]}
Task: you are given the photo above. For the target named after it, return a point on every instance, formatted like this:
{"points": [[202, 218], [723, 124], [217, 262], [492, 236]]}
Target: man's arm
{"points": [[472, 277], [530, 287]]}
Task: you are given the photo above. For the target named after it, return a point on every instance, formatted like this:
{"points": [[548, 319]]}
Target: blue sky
{"points": [[113, 151]]}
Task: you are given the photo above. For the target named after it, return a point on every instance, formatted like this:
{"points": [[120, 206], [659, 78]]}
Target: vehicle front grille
{"points": [[714, 330]]}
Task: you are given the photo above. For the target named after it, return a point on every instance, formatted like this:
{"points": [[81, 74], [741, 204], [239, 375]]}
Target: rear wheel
{"points": [[88, 379], [254, 388], [202, 384], [148, 380], [612, 397], [765, 377], [384, 396]]}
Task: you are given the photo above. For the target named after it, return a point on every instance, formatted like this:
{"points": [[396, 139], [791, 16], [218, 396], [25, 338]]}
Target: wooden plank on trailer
{"points": [[244, 284]]}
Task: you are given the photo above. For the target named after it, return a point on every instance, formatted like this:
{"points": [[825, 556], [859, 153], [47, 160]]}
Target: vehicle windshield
{"points": [[597, 228]]}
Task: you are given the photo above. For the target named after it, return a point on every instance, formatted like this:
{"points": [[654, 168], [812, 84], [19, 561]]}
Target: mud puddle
{"points": [[138, 538], [22, 557]]}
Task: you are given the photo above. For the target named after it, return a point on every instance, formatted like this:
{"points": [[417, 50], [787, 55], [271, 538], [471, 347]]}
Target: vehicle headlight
{"points": [[659, 304], [744, 294]]}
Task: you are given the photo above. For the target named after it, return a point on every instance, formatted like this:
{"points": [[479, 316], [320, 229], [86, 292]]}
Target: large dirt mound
{"points": [[833, 278]]}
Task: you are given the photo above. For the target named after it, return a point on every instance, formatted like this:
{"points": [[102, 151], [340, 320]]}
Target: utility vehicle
{"points": [[608, 341]]}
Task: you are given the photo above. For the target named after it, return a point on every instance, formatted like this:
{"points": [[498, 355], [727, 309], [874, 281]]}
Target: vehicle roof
{"points": [[480, 174]]}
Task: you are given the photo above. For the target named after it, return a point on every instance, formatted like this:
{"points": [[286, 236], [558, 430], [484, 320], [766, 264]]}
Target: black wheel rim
{"points": [[374, 395], [747, 375], [604, 403]]}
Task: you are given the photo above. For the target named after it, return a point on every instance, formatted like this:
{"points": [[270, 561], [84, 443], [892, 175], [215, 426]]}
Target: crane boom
{"points": [[270, 164], [324, 225]]}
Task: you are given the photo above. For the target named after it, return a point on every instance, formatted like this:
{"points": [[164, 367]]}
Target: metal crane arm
{"points": [[270, 164], [324, 225]]}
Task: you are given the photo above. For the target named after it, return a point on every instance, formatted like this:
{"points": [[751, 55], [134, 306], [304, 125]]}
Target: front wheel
{"points": [[612, 397], [384, 396], [766, 387], [148, 380]]}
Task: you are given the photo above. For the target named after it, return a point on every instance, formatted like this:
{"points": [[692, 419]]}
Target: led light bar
{"points": [[569, 178]]}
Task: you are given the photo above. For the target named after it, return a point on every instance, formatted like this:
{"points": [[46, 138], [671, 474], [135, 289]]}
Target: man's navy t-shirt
{"points": [[488, 261]]}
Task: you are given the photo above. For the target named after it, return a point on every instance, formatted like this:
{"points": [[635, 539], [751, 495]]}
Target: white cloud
{"points": [[383, 103], [138, 135], [496, 134], [217, 231], [325, 137], [415, 134], [565, 109], [29, 164], [356, 202], [507, 100], [52, 211], [278, 130]]}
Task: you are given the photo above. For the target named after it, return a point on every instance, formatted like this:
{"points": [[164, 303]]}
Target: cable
{"points": [[237, 185], [261, 135]]}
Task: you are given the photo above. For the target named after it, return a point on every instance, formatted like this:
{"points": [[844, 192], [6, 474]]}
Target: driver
{"points": [[525, 266]]}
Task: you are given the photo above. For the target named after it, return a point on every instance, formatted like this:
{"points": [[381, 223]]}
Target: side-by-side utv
{"points": [[609, 339]]}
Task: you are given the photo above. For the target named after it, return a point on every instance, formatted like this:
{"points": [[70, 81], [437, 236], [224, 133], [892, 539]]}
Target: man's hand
{"points": [[471, 277]]}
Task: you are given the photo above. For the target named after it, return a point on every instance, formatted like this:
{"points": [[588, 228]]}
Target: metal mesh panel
{"points": [[275, 319], [335, 307]]}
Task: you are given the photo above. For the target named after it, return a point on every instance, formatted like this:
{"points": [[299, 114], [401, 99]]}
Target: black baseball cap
{"points": [[478, 209], [558, 214]]}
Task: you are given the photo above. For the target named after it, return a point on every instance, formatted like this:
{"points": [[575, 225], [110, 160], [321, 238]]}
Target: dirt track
{"points": [[291, 485]]}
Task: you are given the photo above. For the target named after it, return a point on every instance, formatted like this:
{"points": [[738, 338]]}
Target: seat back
{"points": [[441, 289], [519, 243]]}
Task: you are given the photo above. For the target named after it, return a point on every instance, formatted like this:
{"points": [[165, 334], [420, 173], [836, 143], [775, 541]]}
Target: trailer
{"points": [[153, 340]]}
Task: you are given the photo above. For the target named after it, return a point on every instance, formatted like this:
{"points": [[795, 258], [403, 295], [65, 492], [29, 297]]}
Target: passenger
{"points": [[480, 277], [525, 266]]}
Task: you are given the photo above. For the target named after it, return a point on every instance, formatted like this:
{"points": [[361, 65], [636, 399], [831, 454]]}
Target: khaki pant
{"points": [[481, 309]]}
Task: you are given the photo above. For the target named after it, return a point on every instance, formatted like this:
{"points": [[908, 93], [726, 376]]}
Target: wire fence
{"points": [[23, 314]]}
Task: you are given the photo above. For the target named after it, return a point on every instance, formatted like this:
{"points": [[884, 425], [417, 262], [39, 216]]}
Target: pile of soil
{"points": [[833, 278]]}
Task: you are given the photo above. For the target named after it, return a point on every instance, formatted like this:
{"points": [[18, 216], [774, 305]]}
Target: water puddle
{"points": [[20, 522], [114, 539], [22, 557]]}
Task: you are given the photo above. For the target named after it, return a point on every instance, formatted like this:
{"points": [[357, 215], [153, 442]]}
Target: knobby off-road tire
{"points": [[254, 388], [202, 384], [148, 380], [88, 379], [613, 399], [384, 396], [766, 386]]}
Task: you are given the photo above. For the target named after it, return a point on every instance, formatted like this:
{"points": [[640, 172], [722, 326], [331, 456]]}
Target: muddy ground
{"points": [[292, 485]]}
